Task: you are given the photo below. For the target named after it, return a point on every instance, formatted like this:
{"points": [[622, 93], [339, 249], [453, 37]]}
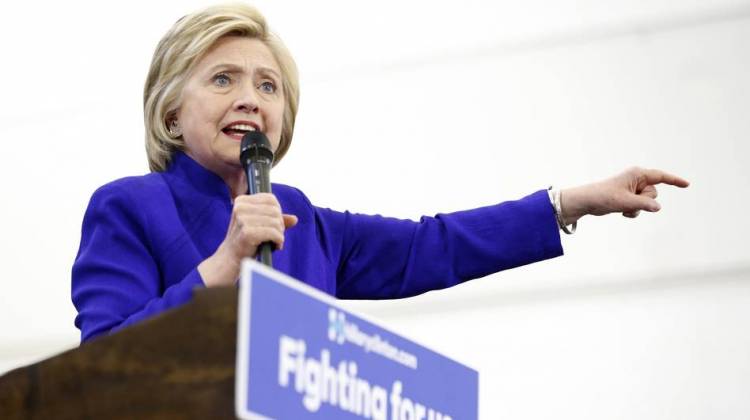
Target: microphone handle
{"points": [[265, 253], [258, 180]]}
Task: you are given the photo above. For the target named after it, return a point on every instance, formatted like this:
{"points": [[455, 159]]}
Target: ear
{"points": [[173, 125]]}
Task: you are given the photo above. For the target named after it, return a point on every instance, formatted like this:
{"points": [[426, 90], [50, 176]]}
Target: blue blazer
{"points": [[143, 238]]}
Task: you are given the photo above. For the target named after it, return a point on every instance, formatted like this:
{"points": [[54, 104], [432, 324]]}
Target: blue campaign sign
{"points": [[300, 356]]}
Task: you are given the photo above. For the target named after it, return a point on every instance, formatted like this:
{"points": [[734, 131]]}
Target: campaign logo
{"points": [[341, 331], [336, 323]]}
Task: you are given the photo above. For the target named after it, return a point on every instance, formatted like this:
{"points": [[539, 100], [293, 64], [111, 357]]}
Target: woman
{"points": [[147, 241]]}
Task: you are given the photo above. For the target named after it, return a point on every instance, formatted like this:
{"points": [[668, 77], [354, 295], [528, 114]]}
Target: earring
{"points": [[174, 128]]}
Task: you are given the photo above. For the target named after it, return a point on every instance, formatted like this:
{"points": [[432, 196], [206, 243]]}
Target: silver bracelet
{"points": [[555, 197]]}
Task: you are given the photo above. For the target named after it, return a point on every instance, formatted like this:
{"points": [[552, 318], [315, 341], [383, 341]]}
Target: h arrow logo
{"points": [[336, 322]]}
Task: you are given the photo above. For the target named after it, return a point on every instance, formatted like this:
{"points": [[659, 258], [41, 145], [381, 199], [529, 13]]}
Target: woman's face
{"points": [[234, 88]]}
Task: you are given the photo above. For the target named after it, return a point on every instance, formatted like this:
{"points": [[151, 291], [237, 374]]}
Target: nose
{"points": [[246, 101]]}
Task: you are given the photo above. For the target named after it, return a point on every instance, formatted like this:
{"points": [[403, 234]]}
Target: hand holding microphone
{"points": [[256, 157], [257, 223]]}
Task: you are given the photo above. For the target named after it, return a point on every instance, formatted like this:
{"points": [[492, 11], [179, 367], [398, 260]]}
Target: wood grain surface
{"points": [[178, 365]]}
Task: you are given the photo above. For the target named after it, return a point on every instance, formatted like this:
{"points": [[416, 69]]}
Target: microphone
{"points": [[256, 158]]}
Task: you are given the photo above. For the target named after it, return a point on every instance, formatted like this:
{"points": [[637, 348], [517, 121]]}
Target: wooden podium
{"points": [[179, 364]]}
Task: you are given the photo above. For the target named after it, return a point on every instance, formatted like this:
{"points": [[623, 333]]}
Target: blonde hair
{"points": [[179, 51]]}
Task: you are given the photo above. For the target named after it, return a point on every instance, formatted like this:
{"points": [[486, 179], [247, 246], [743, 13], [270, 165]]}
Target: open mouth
{"points": [[238, 130]]}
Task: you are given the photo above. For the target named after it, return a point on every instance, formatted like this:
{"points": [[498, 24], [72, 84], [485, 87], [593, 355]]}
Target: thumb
{"points": [[637, 202], [289, 220]]}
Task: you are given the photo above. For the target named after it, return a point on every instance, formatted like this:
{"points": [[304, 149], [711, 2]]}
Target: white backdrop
{"points": [[412, 108]]}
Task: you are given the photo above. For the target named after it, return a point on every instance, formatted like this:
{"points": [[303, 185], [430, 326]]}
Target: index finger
{"points": [[655, 176], [260, 198]]}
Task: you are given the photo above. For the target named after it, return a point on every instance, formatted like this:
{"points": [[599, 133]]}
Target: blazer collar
{"points": [[200, 178]]}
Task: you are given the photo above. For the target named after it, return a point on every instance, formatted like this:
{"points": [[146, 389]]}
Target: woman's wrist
{"points": [[219, 270], [573, 204]]}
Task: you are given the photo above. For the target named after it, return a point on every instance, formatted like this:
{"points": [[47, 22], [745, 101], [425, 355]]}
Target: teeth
{"points": [[242, 127]]}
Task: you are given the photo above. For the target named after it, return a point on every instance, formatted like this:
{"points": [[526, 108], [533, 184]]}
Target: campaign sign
{"points": [[301, 356]]}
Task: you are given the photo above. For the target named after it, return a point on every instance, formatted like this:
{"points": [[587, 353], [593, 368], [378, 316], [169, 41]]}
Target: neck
{"points": [[232, 175], [236, 181]]}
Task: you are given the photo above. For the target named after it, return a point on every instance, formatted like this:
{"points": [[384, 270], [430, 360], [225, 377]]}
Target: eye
{"points": [[267, 87], [222, 80]]}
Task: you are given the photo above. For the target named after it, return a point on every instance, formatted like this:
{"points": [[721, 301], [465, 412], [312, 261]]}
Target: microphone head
{"points": [[255, 147]]}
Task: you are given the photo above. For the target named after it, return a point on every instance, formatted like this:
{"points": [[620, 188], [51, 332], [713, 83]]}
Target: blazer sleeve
{"points": [[383, 258], [115, 278]]}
